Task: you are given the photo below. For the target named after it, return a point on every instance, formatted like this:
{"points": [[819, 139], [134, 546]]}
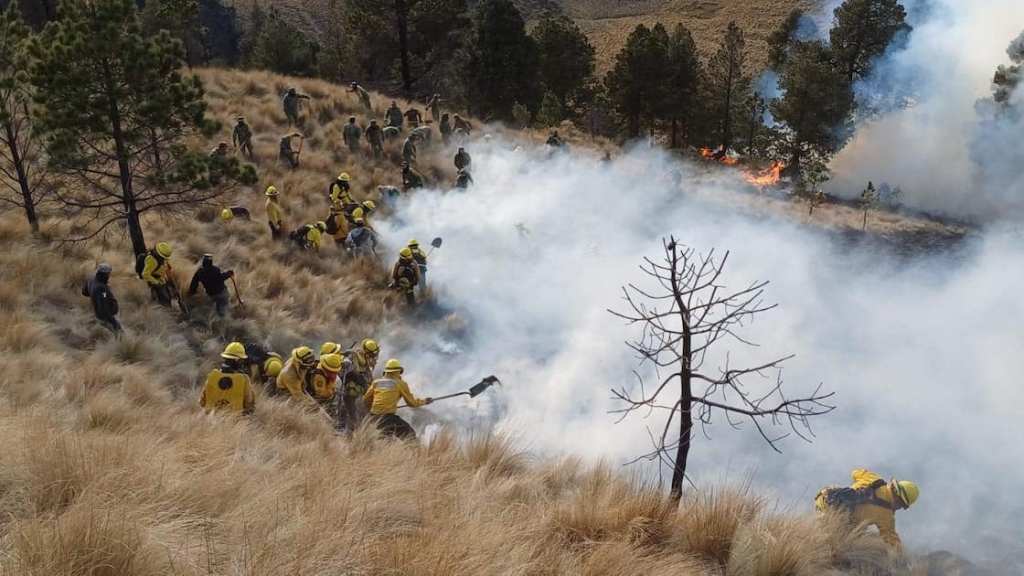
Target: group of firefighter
{"points": [[342, 383], [338, 382]]}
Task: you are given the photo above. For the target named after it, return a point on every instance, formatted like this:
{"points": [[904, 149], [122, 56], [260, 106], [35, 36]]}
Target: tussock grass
{"points": [[107, 467]]}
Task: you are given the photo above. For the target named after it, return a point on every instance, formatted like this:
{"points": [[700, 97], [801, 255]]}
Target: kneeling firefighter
{"points": [[228, 387], [293, 376], [871, 501], [382, 399], [355, 380], [321, 382]]}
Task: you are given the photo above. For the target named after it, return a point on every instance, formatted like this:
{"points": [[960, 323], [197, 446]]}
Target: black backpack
{"points": [[846, 498], [140, 261]]}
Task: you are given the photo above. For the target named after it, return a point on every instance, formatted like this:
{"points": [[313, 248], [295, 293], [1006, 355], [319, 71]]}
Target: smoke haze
{"points": [[946, 153]]}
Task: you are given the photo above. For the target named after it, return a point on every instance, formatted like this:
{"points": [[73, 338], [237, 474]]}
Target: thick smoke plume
{"points": [[924, 354], [948, 153]]}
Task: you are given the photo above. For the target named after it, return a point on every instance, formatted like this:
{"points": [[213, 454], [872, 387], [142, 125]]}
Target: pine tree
{"points": [[566, 61], [636, 83], [683, 80], [862, 30], [504, 64], [551, 112], [117, 115], [728, 85], [23, 184], [781, 40], [817, 101], [275, 44], [181, 19]]}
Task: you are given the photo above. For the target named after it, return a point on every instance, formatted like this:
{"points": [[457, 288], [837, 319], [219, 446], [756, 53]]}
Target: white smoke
{"points": [[941, 151], [923, 353]]}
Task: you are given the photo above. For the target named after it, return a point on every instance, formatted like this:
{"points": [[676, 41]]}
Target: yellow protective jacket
{"points": [[314, 237], [384, 393], [155, 271], [340, 196], [292, 380], [881, 511], [321, 386], [274, 213], [227, 390]]}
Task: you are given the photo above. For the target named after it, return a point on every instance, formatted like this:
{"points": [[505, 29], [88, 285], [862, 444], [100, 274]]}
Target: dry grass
{"points": [[108, 468]]}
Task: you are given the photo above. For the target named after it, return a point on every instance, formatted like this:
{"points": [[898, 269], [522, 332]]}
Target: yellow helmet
{"points": [[369, 205], [392, 366], [344, 177], [907, 491], [163, 249], [272, 367], [405, 254], [358, 213], [414, 243], [234, 351], [331, 362], [321, 226], [330, 348], [271, 191], [371, 346], [303, 356], [226, 214]]}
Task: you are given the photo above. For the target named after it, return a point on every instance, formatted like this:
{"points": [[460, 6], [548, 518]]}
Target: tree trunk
{"points": [[402, 20], [685, 417], [23, 183], [675, 133], [131, 211]]}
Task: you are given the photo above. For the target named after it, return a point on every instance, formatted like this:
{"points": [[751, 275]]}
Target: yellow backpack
{"points": [[225, 391]]}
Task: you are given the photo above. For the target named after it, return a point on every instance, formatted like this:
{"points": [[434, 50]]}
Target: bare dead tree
{"points": [[691, 317]]}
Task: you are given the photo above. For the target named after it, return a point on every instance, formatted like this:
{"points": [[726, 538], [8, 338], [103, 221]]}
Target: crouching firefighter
{"points": [[382, 399], [228, 388], [405, 276], [870, 501], [355, 380], [321, 382], [264, 366]]}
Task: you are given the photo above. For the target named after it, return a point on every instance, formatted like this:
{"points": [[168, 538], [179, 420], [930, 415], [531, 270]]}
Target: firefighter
{"points": [[231, 212], [351, 134], [213, 281], [420, 257], [394, 116], [463, 179], [405, 276], [375, 137], [241, 137], [382, 399], [264, 366], [356, 380], [221, 151], [287, 155], [409, 149], [434, 105], [290, 103], [321, 382], [156, 272], [871, 501], [340, 190], [295, 372], [104, 304], [310, 236], [362, 240], [228, 387], [459, 123], [411, 179], [364, 96], [462, 159], [446, 130], [554, 141], [414, 116], [275, 215]]}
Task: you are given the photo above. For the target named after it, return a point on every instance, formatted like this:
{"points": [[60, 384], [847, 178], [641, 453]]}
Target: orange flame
{"points": [[709, 154], [769, 177]]}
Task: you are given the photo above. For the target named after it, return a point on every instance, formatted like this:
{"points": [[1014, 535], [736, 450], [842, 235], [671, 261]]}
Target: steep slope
{"points": [[107, 467]]}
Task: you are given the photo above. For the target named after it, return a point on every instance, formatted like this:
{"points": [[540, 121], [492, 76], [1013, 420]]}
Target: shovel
{"points": [[238, 295], [477, 389], [434, 245]]}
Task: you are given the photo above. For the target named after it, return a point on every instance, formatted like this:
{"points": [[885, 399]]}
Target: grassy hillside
{"points": [[608, 22], [108, 468]]}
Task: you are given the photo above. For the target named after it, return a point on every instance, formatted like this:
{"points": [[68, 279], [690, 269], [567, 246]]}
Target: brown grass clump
{"points": [[107, 467]]}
